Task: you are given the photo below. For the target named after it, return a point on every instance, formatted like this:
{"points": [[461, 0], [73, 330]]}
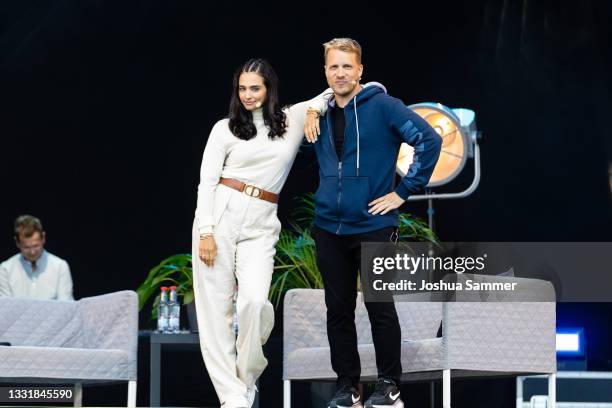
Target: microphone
{"points": [[258, 105]]}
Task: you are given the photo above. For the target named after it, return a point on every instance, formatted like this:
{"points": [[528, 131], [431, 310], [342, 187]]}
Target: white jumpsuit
{"points": [[245, 230]]}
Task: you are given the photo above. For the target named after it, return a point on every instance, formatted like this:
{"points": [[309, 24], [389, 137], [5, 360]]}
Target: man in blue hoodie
{"points": [[356, 202]]}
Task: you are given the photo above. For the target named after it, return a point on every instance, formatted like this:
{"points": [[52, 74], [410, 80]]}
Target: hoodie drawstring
{"points": [[357, 124]]}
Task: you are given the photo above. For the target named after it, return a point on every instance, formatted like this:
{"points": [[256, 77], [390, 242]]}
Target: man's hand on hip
{"points": [[386, 203]]}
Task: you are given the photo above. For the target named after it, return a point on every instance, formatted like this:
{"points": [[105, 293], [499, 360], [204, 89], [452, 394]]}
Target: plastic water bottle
{"points": [[174, 325], [162, 311]]}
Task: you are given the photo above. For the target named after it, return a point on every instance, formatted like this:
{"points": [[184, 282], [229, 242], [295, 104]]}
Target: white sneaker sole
{"points": [[398, 404]]}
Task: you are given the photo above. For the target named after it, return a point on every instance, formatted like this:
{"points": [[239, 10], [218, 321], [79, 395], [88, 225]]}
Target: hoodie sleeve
{"points": [[415, 131], [210, 172]]}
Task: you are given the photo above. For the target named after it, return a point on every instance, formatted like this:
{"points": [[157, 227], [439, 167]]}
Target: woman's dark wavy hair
{"points": [[241, 120]]}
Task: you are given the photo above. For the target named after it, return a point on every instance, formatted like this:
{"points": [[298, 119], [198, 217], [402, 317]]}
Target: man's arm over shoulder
{"points": [[415, 131]]}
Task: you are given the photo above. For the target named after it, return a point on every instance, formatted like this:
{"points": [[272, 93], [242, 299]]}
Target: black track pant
{"points": [[338, 258]]}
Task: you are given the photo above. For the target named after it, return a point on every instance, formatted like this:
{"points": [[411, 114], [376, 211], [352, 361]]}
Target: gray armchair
{"points": [[93, 340], [478, 339]]}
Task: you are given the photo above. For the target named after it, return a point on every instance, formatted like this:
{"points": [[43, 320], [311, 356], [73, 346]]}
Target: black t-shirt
{"points": [[339, 124]]}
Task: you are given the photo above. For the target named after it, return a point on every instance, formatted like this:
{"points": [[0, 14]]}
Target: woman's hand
{"points": [[311, 125], [208, 250]]}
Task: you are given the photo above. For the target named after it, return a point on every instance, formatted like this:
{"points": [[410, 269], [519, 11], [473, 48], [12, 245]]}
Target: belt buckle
{"points": [[252, 191]]}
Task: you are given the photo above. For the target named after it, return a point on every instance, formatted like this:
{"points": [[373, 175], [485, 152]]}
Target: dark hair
{"points": [[27, 225], [241, 120]]}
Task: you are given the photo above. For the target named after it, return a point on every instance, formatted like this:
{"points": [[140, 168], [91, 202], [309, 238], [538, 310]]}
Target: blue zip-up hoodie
{"points": [[376, 125]]}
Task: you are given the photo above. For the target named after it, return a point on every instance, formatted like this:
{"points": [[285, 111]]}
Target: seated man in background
{"points": [[34, 272]]}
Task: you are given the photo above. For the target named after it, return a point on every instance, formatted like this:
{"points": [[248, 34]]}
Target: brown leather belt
{"points": [[249, 189]]}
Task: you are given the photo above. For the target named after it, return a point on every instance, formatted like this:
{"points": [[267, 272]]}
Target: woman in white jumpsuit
{"points": [[235, 232]]}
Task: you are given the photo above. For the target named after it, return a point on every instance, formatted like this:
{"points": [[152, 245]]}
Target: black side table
{"points": [[178, 341]]}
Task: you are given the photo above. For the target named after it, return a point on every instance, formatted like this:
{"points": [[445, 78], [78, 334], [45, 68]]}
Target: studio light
{"points": [[457, 127]]}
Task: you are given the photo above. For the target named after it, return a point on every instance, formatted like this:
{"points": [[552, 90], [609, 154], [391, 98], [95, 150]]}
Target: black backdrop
{"points": [[106, 107]]}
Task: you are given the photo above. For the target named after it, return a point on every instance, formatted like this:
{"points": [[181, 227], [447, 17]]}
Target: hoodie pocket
{"points": [[326, 198], [355, 198]]}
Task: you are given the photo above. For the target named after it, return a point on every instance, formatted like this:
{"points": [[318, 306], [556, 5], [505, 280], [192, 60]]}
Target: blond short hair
{"points": [[343, 44], [27, 225]]}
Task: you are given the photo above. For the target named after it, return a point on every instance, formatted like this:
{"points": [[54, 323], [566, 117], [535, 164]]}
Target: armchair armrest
{"points": [[501, 335], [110, 321]]}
